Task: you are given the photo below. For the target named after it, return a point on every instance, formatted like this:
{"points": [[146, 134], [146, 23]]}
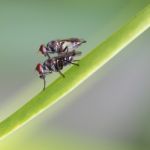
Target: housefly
{"points": [[56, 64], [60, 46]]}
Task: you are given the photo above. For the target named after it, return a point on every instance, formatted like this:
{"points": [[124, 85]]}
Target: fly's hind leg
{"points": [[76, 60], [72, 63], [61, 74]]}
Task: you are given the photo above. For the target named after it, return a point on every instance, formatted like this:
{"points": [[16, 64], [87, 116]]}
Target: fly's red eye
{"points": [[42, 49], [39, 68]]}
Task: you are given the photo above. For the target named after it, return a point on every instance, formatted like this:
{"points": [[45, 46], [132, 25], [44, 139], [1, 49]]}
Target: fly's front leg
{"points": [[44, 83], [43, 77], [44, 80]]}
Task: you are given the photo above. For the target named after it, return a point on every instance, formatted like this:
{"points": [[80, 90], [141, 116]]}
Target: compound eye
{"points": [[42, 49], [39, 68]]}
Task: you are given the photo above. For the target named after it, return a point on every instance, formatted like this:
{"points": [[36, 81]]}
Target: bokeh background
{"points": [[108, 111]]}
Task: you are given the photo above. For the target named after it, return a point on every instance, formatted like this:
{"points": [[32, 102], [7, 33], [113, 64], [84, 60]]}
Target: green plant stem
{"points": [[75, 75]]}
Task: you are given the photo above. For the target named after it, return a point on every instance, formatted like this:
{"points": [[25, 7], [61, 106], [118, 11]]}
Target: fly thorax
{"points": [[53, 65]]}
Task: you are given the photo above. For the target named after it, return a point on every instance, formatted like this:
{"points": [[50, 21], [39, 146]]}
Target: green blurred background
{"points": [[108, 111]]}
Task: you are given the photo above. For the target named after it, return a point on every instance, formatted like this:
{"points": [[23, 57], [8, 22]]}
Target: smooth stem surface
{"points": [[75, 75]]}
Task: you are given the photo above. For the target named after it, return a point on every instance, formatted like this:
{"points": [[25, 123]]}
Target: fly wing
{"points": [[70, 53], [74, 40], [71, 40]]}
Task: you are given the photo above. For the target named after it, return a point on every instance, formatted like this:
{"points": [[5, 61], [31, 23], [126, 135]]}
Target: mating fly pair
{"points": [[65, 50]]}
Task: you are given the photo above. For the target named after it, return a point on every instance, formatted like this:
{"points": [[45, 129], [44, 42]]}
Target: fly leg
{"points": [[44, 83], [44, 80], [72, 63], [61, 74], [66, 49], [58, 70], [76, 60], [48, 55]]}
